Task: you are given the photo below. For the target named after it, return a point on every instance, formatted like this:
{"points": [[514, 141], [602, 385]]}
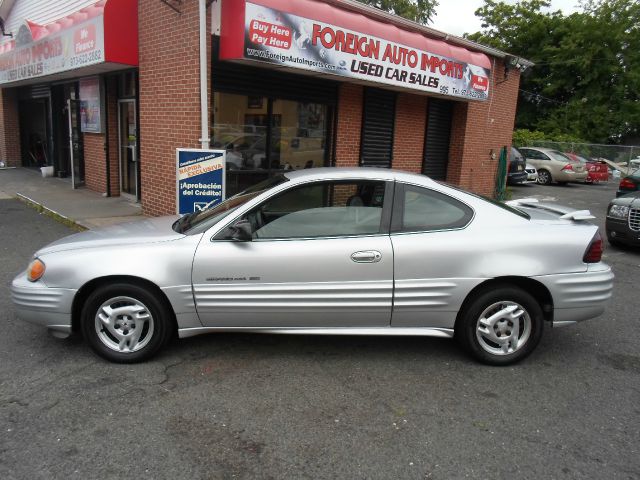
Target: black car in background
{"points": [[517, 164], [630, 183], [623, 220]]}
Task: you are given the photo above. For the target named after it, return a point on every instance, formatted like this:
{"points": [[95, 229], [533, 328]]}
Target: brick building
{"points": [[105, 92]]}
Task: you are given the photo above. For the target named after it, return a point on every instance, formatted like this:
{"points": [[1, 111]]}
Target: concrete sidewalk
{"points": [[81, 206]]}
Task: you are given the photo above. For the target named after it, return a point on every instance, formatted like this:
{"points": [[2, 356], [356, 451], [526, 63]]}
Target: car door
{"points": [[432, 251], [319, 256]]}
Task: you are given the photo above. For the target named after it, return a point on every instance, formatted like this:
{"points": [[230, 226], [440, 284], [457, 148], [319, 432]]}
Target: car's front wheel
{"points": [[501, 325], [125, 323], [544, 177]]}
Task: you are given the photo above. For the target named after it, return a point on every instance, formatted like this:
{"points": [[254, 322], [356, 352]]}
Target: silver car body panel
{"points": [[579, 297], [287, 283], [382, 331], [41, 305], [313, 285]]}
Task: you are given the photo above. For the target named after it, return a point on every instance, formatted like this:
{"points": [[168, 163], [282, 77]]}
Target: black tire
{"points": [[505, 297], [155, 330], [544, 177]]}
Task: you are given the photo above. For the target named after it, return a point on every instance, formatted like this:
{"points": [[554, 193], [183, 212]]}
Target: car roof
{"points": [[365, 173], [542, 149]]}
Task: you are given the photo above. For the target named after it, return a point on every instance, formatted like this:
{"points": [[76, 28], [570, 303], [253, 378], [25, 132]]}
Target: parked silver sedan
{"points": [[326, 251], [554, 166]]}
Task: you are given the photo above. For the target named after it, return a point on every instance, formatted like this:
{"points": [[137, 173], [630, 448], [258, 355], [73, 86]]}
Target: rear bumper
{"points": [[579, 296], [517, 177], [38, 304], [569, 176]]}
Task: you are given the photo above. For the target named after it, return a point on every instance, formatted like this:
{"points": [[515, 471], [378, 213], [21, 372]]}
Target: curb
{"points": [[51, 213]]}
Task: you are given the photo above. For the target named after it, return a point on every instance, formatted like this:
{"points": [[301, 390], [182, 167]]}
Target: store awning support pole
{"points": [[204, 97]]}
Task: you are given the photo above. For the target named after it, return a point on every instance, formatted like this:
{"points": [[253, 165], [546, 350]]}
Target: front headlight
{"points": [[618, 211], [35, 270]]}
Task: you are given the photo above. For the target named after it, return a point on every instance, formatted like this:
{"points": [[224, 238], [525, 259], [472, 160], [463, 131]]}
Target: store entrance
{"points": [[35, 131], [128, 147], [76, 150]]}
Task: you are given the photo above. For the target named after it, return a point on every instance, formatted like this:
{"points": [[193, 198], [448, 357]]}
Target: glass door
{"points": [[76, 150], [128, 147]]}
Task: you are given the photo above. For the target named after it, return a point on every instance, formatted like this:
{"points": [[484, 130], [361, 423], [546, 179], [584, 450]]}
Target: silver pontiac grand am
{"points": [[326, 251]]}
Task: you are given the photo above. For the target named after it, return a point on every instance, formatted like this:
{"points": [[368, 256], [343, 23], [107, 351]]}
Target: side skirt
{"points": [[382, 331]]}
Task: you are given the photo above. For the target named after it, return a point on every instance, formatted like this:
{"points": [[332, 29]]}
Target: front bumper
{"points": [[36, 303], [618, 230], [579, 296]]}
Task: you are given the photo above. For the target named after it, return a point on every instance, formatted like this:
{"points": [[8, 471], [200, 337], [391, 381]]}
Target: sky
{"points": [[456, 16]]}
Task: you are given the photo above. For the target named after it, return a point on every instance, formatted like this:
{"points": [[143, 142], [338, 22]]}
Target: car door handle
{"points": [[366, 256]]}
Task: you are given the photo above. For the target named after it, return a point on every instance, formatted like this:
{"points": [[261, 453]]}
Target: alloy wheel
{"points": [[124, 324], [503, 328]]}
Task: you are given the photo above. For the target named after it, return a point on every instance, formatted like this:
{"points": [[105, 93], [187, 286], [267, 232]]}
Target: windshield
{"points": [[198, 222]]}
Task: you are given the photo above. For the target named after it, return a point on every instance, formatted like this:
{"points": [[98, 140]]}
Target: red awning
{"points": [[320, 37], [324, 12], [103, 35]]}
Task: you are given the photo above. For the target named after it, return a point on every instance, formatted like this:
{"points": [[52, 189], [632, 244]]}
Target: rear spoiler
{"points": [[565, 213]]}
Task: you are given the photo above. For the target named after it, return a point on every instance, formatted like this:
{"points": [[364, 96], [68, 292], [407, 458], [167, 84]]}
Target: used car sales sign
{"points": [[293, 41], [200, 179]]}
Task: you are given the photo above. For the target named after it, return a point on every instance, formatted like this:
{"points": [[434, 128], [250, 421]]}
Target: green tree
{"points": [[586, 81], [421, 11]]}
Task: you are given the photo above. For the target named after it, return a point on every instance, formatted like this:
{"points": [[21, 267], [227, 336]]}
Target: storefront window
{"points": [[298, 134], [264, 136]]}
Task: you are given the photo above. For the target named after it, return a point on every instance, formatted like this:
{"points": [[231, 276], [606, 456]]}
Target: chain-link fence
{"points": [[614, 153]]}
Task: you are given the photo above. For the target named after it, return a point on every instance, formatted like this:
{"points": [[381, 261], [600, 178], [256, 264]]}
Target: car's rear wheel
{"points": [[501, 325], [125, 323], [544, 177]]}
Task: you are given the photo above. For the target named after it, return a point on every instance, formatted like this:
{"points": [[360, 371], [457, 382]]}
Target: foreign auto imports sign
{"points": [[68, 49], [290, 40]]}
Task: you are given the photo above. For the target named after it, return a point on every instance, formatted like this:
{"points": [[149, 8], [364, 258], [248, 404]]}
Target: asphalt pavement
{"points": [[269, 407]]}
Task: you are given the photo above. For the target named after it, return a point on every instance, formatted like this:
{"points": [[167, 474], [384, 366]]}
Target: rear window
{"points": [[516, 155], [501, 205], [561, 157]]}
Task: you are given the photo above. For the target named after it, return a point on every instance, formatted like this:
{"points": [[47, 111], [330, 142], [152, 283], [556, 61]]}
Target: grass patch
{"points": [[51, 214]]}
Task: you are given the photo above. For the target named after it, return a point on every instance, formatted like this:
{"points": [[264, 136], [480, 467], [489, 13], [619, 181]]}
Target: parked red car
{"points": [[598, 171]]}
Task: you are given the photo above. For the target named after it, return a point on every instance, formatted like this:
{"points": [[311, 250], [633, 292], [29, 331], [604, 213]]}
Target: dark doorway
{"points": [[35, 132], [436, 148], [67, 137]]}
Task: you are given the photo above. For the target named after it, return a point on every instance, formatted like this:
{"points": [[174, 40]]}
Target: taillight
{"points": [[626, 183], [595, 250], [568, 166]]}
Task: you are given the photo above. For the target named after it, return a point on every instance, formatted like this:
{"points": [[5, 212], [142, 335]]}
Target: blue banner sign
{"points": [[200, 179]]}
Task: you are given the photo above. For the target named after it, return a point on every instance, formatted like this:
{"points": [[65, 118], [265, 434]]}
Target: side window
{"points": [[421, 209], [534, 154], [324, 209]]}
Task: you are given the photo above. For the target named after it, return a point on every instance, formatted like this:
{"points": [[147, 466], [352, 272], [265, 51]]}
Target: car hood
{"points": [[628, 200], [149, 230]]}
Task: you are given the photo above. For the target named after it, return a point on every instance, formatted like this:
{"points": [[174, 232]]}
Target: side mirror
{"points": [[241, 231]]}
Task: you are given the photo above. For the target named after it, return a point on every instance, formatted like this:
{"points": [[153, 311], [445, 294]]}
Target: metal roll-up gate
{"points": [[378, 118], [437, 139]]}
